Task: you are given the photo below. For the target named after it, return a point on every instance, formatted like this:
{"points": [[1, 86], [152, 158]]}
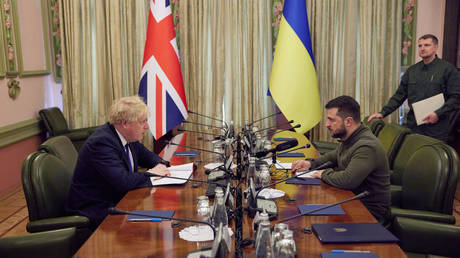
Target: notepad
{"points": [[151, 214], [348, 255], [186, 153], [280, 139], [353, 233], [183, 171], [304, 181], [334, 210], [290, 154]]}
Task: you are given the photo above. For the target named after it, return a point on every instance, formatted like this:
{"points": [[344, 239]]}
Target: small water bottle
{"points": [[251, 170], [217, 147], [259, 143], [264, 176], [263, 242], [203, 208], [261, 217], [220, 211], [267, 145], [286, 246], [276, 235]]}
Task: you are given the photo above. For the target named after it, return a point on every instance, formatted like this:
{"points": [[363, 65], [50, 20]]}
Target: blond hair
{"points": [[130, 109]]}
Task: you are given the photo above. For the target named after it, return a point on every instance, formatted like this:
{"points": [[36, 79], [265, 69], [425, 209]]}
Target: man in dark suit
{"points": [[107, 163]]}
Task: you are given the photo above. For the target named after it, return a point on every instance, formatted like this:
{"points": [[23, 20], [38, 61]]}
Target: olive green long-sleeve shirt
{"points": [[361, 164], [422, 81]]}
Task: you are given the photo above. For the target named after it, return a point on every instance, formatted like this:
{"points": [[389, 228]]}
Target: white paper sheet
{"points": [[426, 106], [307, 175], [182, 171]]}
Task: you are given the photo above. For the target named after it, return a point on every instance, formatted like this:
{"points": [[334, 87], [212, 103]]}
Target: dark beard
{"points": [[340, 134]]}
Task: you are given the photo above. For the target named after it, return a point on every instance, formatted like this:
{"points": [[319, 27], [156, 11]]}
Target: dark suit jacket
{"points": [[102, 175]]}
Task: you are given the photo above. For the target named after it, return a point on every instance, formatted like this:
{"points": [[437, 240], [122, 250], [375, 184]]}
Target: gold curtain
{"points": [[226, 54], [102, 47], [356, 47], [226, 58]]}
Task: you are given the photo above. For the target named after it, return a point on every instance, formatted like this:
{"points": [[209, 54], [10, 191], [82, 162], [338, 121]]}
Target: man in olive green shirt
{"points": [[360, 162], [425, 79]]}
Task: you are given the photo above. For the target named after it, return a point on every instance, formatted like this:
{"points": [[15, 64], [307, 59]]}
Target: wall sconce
{"points": [[13, 88]]}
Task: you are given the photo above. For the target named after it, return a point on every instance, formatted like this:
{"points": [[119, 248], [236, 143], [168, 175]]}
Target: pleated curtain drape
{"points": [[226, 54]]}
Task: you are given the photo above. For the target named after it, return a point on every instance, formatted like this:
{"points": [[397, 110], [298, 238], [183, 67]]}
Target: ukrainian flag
{"points": [[293, 83]]}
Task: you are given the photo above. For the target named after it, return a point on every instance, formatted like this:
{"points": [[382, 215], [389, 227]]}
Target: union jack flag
{"points": [[161, 83]]}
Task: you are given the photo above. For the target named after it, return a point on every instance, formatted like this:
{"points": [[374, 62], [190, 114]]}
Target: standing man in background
{"points": [[422, 80]]}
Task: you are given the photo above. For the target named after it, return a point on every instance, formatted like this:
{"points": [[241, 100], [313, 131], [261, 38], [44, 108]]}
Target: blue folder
{"points": [[348, 255], [151, 214], [353, 233], [281, 139], [291, 154], [186, 153], [334, 210], [304, 181]]}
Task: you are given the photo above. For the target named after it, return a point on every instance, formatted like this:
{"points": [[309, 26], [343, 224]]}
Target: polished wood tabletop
{"points": [[116, 237]]}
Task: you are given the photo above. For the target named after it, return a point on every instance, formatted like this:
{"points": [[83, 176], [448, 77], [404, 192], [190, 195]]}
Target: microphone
{"points": [[274, 127], [217, 136], [288, 129], [115, 211], [150, 174], [306, 146], [191, 112], [328, 164], [253, 122], [196, 123], [356, 197], [280, 147]]}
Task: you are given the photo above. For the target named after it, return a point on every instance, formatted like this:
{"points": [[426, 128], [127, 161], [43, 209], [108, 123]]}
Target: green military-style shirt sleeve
{"points": [[451, 92], [361, 164], [329, 156]]}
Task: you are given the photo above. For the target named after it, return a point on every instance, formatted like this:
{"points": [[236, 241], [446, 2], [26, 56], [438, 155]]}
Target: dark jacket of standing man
{"points": [[104, 173], [360, 162], [422, 80]]}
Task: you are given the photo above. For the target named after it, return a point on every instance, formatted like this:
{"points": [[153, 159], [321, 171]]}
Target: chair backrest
{"points": [[54, 121], [375, 125], [410, 144], [391, 136], [61, 147], [430, 179], [46, 183]]}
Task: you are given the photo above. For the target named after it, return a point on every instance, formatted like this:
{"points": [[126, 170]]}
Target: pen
{"points": [[349, 251], [156, 220]]}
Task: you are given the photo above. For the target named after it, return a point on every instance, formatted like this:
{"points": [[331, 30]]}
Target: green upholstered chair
{"points": [[56, 124], [410, 144], [420, 238], [49, 244], [61, 147], [46, 182], [429, 183], [375, 125], [391, 136]]}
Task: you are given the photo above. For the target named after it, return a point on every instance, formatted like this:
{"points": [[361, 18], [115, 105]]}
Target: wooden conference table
{"points": [[116, 237]]}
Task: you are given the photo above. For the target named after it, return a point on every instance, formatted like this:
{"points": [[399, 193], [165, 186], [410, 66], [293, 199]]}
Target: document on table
{"points": [[183, 171], [426, 106], [305, 175]]}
